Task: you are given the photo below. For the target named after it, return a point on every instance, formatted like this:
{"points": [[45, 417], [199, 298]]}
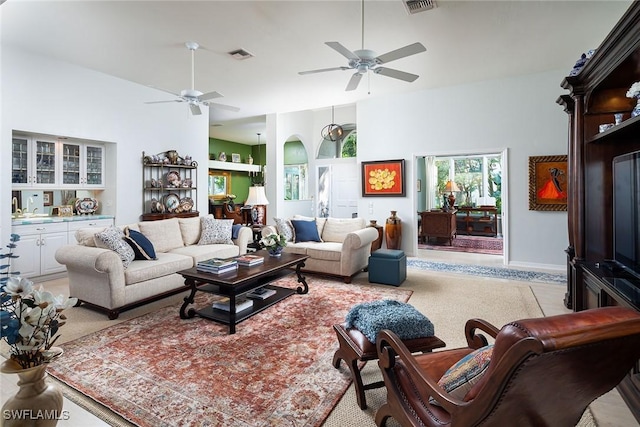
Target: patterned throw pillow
{"points": [[465, 373], [142, 247], [284, 228], [111, 238], [215, 231]]}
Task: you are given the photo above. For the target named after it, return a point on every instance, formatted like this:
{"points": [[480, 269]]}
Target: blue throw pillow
{"points": [[142, 247], [306, 231]]}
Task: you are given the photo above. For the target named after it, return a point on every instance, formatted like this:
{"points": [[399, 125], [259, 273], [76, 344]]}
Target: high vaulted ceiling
{"points": [[143, 41]]}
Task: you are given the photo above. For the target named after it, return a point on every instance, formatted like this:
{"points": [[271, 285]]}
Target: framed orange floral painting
{"points": [[548, 180], [383, 178]]}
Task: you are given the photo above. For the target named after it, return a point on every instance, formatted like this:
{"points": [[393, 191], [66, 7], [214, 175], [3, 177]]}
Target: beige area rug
{"points": [[447, 299]]}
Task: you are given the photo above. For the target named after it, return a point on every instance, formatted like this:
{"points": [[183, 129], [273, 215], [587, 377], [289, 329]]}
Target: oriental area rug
{"points": [[464, 243], [158, 370]]}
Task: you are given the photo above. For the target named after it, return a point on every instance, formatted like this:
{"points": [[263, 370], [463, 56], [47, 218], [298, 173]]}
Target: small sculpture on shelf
{"points": [[170, 157]]}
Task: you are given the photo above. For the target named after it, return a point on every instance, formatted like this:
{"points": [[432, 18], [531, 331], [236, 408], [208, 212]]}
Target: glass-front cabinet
{"points": [[42, 163], [33, 162], [82, 165]]}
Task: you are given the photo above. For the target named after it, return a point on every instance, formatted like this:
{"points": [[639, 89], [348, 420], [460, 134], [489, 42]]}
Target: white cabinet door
{"points": [[37, 248], [48, 163], [49, 244], [34, 162], [82, 165], [28, 252]]}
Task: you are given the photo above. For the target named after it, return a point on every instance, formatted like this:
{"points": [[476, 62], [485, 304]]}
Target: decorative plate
{"points": [[86, 205], [171, 202], [186, 203], [173, 179]]}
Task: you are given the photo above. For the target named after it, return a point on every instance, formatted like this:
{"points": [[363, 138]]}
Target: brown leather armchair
{"points": [[543, 372]]}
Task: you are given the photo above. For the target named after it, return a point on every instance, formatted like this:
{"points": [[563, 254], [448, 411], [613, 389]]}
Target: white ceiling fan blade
{"points": [[342, 50], [408, 50], [210, 95], [195, 109], [354, 81], [322, 70], [396, 74], [222, 106], [162, 102]]}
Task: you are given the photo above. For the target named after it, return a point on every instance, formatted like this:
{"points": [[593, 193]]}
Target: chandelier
{"points": [[332, 132]]}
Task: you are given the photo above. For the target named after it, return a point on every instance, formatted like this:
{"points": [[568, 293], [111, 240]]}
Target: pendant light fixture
{"points": [[332, 132]]}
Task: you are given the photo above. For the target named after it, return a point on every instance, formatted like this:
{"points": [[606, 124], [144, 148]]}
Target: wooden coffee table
{"points": [[240, 282]]}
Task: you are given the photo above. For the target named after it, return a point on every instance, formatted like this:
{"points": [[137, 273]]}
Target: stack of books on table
{"points": [[261, 293], [241, 304], [249, 260], [217, 266]]}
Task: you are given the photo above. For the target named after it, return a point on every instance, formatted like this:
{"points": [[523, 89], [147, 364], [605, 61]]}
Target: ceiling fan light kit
{"points": [[194, 98], [364, 60]]}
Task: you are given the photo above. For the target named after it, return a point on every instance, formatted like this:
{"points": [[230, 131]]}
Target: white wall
{"points": [[49, 97], [519, 114]]}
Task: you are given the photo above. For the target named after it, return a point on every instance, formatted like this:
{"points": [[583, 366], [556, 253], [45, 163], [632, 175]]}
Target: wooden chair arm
{"points": [[390, 346], [476, 340]]}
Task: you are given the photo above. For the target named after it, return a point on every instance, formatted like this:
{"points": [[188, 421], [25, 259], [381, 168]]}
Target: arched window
{"points": [[345, 147]]}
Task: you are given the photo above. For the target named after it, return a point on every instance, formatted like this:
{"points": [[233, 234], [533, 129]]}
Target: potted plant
{"points": [[274, 244]]}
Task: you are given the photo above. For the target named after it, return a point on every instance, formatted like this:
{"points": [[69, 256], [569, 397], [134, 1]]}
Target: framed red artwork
{"points": [[548, 179], [383, 178]]}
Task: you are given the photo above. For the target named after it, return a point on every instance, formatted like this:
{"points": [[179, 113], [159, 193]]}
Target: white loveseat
{"points": [[343, 249], [98, 277]]}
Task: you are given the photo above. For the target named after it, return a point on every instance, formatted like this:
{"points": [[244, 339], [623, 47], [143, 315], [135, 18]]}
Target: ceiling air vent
{"points": [[417, 6], [240, 54]]}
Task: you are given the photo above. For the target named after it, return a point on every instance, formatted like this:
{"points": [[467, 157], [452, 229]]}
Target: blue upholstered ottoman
{"points": [[387, 266]]}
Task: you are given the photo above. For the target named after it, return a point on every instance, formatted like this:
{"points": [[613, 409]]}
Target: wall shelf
{"points": [[230, 166]]}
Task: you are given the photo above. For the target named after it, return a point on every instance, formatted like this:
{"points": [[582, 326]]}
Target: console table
{"points": [[438, 224], [488, 219]]}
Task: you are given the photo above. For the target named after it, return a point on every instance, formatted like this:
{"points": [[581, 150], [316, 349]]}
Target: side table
{"points": [[376, 244]]}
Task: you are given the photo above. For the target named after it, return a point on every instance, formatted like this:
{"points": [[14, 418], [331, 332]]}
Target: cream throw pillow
{"points": [[164, 234], [336, 229]]}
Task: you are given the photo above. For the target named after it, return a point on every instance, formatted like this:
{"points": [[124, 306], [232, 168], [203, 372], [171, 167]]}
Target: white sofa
{"points": [[343, 250], [98, 277]]}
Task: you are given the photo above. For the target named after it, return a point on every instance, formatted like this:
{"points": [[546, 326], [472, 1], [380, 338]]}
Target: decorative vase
{"points": [[636, 110], [36, 403], [393, 231], [275, 252]]}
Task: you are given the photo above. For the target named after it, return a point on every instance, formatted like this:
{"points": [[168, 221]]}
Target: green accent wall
{"points": [[240, 181]]}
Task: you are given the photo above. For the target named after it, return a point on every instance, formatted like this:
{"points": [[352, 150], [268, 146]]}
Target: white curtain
{"points": [[431, 187]]}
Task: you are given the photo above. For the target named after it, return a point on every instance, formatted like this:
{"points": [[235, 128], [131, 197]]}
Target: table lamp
{"points": [[451, 186], [257, 199]]}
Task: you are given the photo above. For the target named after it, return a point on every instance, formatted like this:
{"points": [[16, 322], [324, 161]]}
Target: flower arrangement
{"points": [[29, 317], [273, 241], [634, 90]]}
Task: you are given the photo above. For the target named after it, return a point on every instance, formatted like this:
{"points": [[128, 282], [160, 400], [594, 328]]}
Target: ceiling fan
{"points": [[364, 60], [194, 97]]}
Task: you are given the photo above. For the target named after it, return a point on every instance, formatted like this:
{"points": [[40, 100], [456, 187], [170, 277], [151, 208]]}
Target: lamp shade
{"points": [[256, 196], [449, 186]]}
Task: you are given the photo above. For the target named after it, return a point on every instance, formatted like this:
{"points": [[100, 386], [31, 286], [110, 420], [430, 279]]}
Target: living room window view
{"points": [[448, 233]]}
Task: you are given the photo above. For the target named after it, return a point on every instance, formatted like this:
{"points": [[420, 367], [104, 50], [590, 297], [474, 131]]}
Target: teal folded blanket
{"points": [[399, 317]]}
